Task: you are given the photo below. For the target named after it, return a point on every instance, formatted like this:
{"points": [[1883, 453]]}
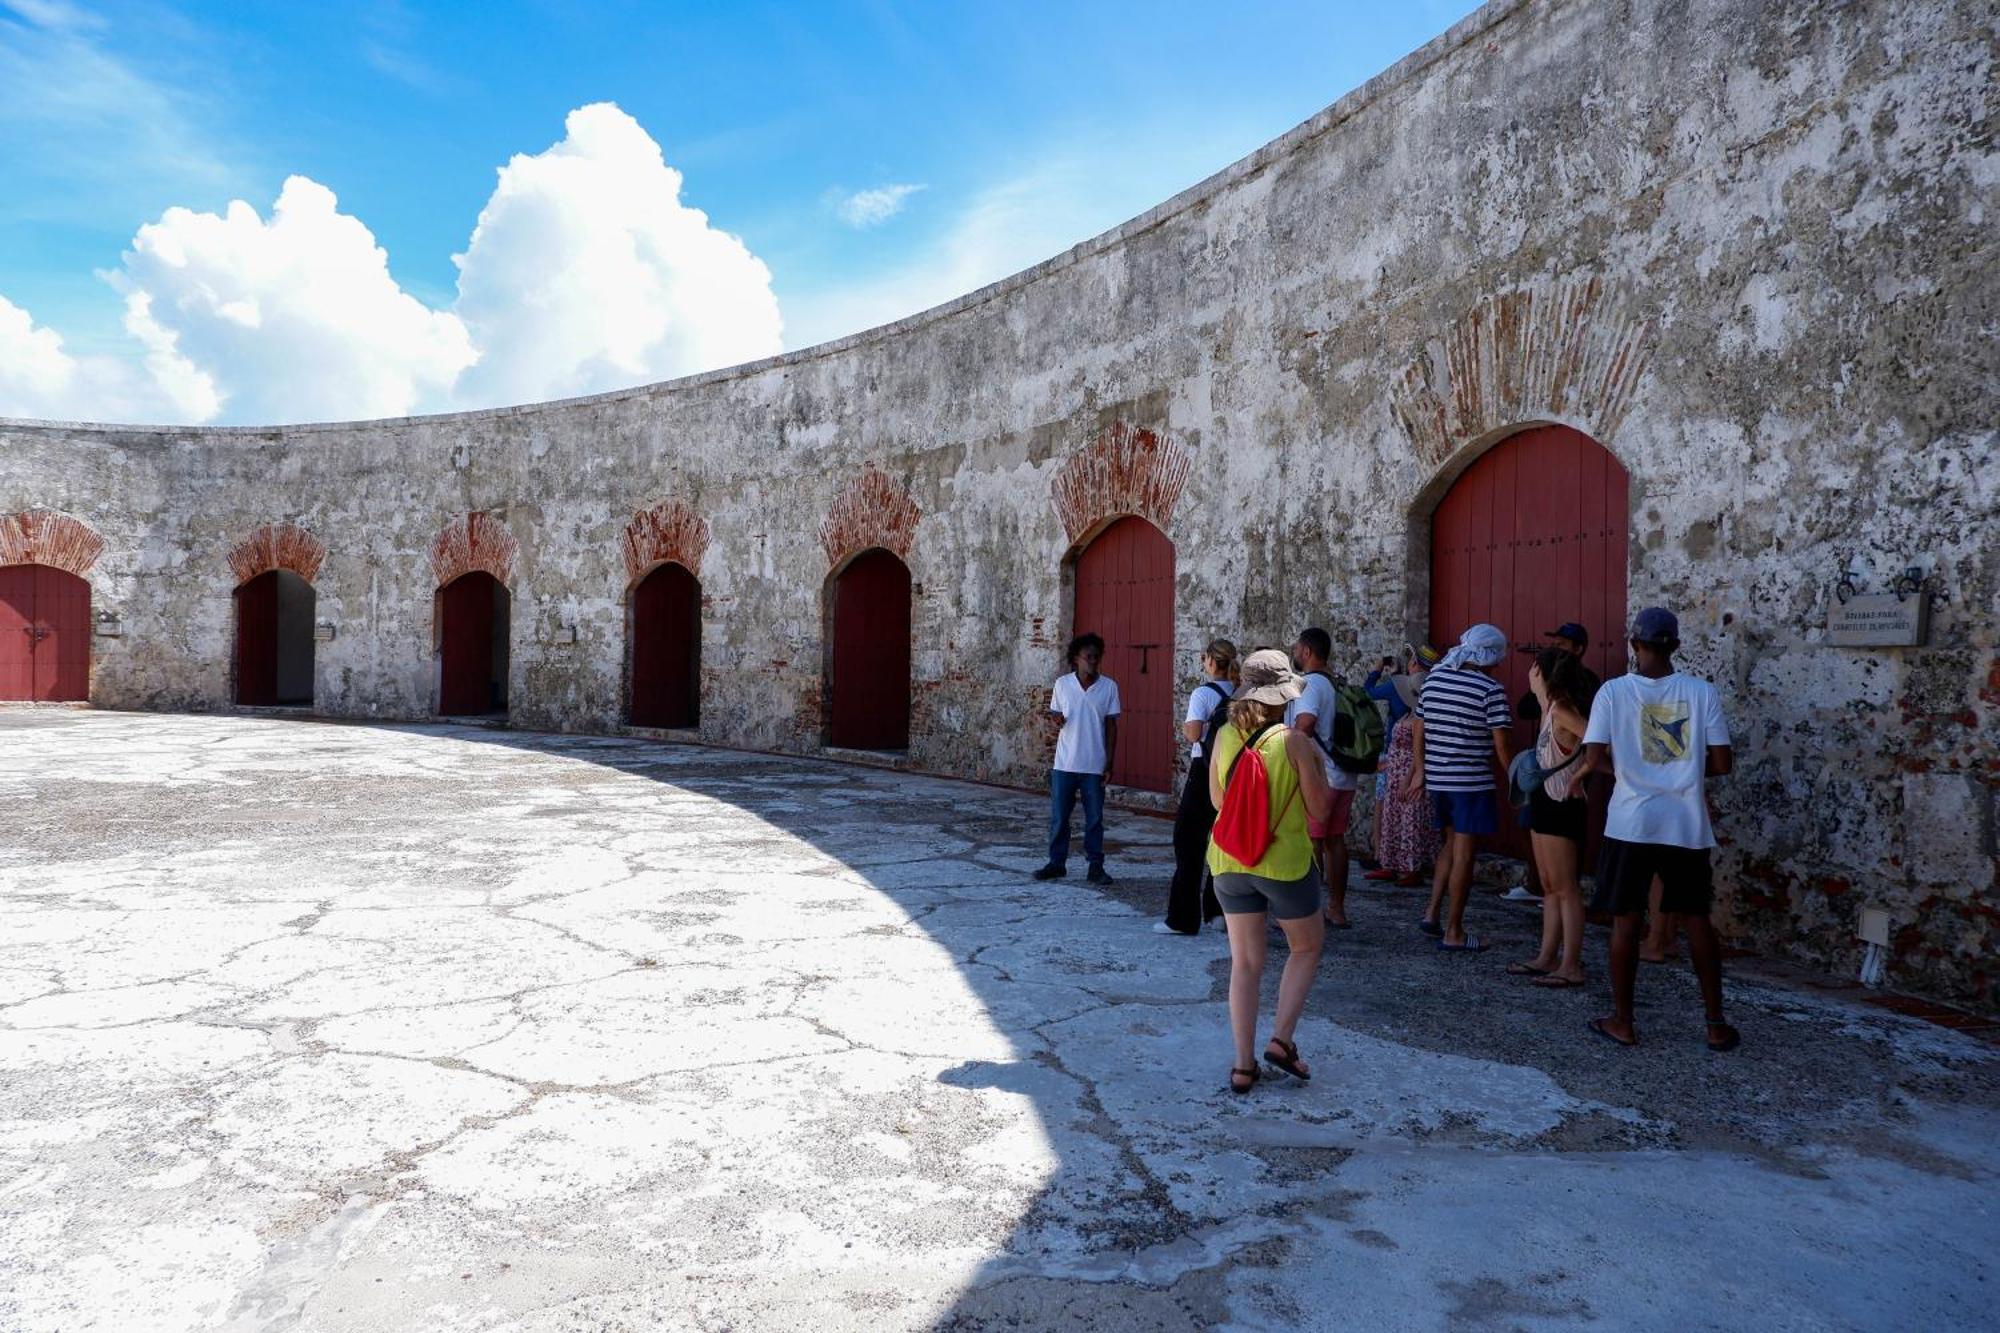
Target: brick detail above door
{"points": [[1127, 469], [1562, 350], [277, 546], [872, 510], [44, 537], [474, 541], [670, 530]]}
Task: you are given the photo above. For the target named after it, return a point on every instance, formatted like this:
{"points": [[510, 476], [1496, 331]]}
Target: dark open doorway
{"points": [[665, 629], [868, 668], [473, 615], [274, 640]]}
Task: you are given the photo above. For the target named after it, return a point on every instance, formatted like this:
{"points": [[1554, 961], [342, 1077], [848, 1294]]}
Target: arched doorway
{"points": [[868, 666], [274, 640], [44, 634], [473, 614], [665, 633], [1533, 535], [1125, 592]]}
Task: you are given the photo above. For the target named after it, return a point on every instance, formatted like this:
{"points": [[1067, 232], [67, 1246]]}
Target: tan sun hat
{"points": [[1268, 678]]}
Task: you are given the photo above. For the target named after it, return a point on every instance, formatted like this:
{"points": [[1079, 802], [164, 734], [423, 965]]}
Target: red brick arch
{"points": [[1127, 469], [871, 510], [670, 530], [45, 537], [1566, 350], [277, 546], [474, 541]]}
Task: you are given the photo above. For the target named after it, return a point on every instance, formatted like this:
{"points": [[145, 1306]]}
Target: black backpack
{"points": [[1215, 719]]}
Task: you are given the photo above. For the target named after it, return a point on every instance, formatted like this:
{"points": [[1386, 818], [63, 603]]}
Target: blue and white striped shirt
{"points": [[1460, 709]]}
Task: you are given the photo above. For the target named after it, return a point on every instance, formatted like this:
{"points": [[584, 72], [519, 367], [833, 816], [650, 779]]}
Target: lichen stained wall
{"points": [[1747, 245]]}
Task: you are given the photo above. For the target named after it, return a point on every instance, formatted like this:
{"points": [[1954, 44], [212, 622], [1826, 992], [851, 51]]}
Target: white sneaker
{"points": [[1518, 894], [1162, 928]]}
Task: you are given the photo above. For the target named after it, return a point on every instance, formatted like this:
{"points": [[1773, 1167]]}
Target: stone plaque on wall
{"points": [[1879, 621]]}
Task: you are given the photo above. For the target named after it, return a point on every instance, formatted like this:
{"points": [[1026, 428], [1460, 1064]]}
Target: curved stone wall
{"points": [[1744, 245]]}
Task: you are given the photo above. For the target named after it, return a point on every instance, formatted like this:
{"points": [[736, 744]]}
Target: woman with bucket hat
{"points": [[1262, 857]]}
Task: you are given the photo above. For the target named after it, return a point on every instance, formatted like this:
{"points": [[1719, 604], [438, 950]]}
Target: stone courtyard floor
{"points": [[317, 1026]]}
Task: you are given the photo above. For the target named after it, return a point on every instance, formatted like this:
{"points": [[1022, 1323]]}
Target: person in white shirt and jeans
{"points": [[1086, 704], [1662, 734]]}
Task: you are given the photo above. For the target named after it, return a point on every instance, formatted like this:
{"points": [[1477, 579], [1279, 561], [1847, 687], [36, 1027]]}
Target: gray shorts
{"points": [[1285, 899]]}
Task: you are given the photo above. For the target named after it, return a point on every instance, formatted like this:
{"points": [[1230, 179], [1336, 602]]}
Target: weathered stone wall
{"points": [[1748, 246]]}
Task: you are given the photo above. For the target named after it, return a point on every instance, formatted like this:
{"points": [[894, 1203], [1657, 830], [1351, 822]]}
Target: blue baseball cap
{"points": [[1570, 630], [1656, 625]]}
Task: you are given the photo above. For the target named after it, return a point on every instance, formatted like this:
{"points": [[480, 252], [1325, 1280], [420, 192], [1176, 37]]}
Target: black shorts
{"points": [[1558, 819], [1625, 873]]}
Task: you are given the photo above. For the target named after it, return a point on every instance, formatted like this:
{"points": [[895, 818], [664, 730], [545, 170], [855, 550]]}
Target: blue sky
{"points": [[1014, 131]]}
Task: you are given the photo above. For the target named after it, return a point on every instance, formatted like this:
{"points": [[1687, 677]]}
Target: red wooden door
{"points": [[17, 631], [465, 646], [1534, 535], [257, 640], [1125, 593], [868, 683], [44, 634], [666, 649]]}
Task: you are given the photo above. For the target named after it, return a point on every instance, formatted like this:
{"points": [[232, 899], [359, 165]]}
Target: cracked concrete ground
{"points": [[331, 1027]]}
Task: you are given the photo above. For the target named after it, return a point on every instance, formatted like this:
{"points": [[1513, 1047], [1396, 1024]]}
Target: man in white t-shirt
{"points": [[1313, 713], [1086, 704], [1661, 734]]}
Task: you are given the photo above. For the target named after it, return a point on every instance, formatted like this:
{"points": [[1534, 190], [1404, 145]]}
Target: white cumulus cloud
{"points": [[40, 377], [292, 318], [35, 371], [868, 208], [586, 272]]}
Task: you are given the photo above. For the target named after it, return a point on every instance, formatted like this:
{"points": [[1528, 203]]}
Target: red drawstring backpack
{"points": [[1244, 825]]}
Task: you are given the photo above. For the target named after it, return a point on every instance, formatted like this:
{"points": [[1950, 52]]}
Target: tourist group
{"points": [[1278, 745]]}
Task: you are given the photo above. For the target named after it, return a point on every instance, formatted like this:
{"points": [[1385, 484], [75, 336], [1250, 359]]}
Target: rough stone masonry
{"points": [[1746, 246]]}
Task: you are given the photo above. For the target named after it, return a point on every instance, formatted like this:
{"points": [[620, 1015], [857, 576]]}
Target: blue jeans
{"points": [[1063, 789]]}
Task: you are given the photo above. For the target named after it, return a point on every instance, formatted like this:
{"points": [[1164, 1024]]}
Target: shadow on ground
{"points": [[486, 1029]]}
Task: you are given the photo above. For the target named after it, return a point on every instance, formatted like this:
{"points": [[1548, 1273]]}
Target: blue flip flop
{"points": [[1473, 944]]}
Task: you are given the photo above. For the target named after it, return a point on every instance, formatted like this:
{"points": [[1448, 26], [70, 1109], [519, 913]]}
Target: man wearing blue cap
{"points": [[1661, 734], [1573, 639]]}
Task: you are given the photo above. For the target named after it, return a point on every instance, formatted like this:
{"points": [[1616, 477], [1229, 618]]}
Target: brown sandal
{"points": [[1290, 1062], [1250, 1075]]}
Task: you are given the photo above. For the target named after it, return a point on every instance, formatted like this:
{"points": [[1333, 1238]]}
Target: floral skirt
{"points": [[1406, 841]]}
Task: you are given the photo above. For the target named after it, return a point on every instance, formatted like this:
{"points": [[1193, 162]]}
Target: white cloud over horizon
{"points": [[294, 318], [584, 272], [41, 378]]}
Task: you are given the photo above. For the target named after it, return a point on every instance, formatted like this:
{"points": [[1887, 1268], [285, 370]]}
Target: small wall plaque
{"points": [[108, 626], [1879, 621], [323, 632]]}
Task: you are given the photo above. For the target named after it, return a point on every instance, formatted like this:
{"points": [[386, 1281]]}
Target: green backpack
{"points": [[1358, 733]]}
